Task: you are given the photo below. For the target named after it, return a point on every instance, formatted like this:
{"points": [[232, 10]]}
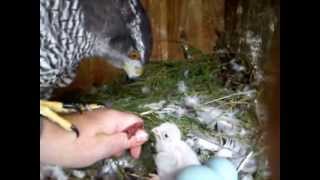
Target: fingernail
{"points": [[141, 135]]}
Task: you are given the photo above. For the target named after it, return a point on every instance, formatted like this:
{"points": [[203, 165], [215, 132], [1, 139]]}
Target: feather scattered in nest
{"points": [[182, 88], [155, 106], [192, 101], [52, 172], [145, 90], [78, 174]]}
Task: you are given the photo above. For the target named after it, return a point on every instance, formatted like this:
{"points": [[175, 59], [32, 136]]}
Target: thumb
{"points": [[119, 142], [136, 141]]}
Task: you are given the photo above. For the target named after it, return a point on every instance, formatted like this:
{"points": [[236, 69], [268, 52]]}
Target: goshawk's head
{"points": [[122, 33]]}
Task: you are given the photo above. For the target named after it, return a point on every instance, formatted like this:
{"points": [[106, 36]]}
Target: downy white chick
{"points": [[173, 154]]}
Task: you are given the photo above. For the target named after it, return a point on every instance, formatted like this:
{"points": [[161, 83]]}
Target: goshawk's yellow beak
{"points": [[133, 68]]}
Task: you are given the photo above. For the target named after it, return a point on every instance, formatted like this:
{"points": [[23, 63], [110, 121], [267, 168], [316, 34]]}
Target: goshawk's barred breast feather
{"points": [[71, 30]]}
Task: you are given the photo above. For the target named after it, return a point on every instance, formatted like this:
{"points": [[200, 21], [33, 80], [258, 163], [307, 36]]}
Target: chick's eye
{"points": [[166, 135]]}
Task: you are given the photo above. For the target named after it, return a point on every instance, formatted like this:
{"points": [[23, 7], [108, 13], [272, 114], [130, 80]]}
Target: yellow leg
{"points": [[51, 115], [59, 107], [50, 109]]}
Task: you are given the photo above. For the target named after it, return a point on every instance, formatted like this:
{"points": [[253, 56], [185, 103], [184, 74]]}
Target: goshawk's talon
{"points": [[77, 107], [50, 110], [101, 104], [76, 130], [82, 107]]}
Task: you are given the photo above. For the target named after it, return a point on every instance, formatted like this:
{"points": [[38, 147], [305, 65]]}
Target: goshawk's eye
{"points": [[134, 55]]}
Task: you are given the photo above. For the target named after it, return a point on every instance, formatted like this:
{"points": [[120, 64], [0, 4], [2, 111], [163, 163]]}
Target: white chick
{"points": [[173, 154]]}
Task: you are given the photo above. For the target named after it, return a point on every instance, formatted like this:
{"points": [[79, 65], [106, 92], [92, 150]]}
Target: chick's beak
{"points": [[156, 133]]}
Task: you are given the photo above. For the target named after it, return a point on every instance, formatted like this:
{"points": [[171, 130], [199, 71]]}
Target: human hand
{"points": [[102, 135]]}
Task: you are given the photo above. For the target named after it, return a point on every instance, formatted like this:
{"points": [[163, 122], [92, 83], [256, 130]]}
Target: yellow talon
{"points": [[47, 112], [59, 107], [54, 106], [50, 109]]}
